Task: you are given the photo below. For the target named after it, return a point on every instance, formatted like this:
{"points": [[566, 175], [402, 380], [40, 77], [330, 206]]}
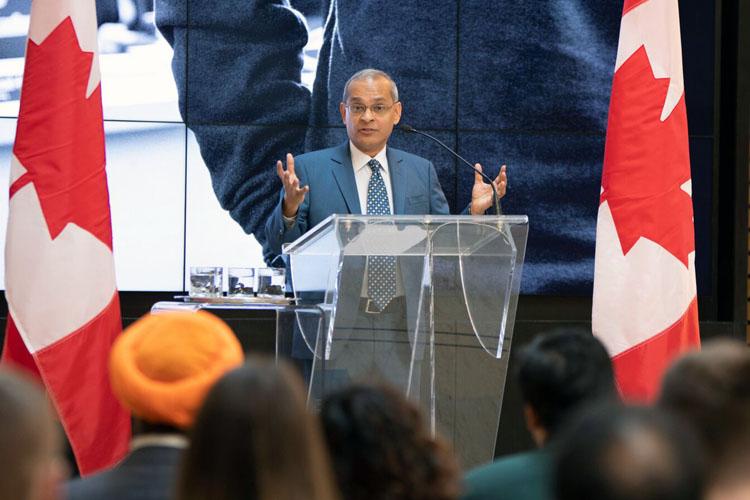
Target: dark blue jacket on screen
{"points": [[522, 83]]}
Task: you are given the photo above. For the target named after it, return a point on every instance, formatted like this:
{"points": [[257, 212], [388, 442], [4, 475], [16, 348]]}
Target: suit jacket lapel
{"points": [[343, 172], [398, 180]]}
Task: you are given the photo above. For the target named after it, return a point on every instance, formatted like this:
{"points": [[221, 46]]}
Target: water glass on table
{"points": [[206, 281], [241, 281], [271, 282]]}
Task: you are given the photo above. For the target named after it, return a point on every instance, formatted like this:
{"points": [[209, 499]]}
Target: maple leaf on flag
{"points": [[647, 162], [60, 136]]}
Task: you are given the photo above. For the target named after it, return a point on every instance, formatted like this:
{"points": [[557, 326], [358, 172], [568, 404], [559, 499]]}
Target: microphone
{"points": [[495, 200]]}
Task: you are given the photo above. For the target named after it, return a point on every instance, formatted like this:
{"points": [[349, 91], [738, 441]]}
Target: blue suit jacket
{"points": [[333, 190]]}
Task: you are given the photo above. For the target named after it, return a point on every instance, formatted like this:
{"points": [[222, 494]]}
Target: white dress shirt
{"points": [[362, 174]]}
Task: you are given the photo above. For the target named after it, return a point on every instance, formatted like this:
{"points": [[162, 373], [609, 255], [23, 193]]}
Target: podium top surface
{"points": [[425, 222], [278, 307]]}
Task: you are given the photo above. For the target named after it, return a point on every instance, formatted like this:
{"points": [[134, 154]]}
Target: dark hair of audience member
{"points": [[710, 389], [30, 441], [255, 439], [382, 448], [616, 452], [561, 370]]}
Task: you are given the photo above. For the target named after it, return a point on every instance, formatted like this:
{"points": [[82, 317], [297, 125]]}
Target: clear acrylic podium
{"points": [[443, 340]]}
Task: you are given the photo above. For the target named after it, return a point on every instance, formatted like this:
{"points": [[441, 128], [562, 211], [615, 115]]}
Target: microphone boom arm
{"points": [[495, 199]]}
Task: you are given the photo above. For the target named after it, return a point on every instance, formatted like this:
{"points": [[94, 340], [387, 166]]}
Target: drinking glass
{"points": [[271, 282], [206, 281], [241, 281]]}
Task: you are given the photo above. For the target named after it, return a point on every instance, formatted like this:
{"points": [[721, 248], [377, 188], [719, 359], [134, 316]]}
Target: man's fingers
{"points": [[280, 170], [477, 175], [290, 163], [501, 175]]}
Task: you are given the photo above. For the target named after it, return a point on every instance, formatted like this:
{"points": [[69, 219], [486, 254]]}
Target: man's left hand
{"points": [[481, 193]]}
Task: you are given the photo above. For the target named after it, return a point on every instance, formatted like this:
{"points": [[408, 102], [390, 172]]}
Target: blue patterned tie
{"points": [[381, 270]]}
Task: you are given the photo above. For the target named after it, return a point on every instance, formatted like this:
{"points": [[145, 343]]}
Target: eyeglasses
{"points": [[377, 109]]}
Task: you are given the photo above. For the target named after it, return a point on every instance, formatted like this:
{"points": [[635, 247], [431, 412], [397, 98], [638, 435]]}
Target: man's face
{"points": [[369, 131]]}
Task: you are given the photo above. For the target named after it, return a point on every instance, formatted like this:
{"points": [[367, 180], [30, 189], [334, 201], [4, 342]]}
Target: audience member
{"points": [[382, 448], [161, 368], [255, 439], [710, 389], [30, 442], [627, 453], [558, 373]]}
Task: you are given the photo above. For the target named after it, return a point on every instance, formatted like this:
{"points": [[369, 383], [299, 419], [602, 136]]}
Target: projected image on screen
{"points": [[522, 83], [525, 84]]}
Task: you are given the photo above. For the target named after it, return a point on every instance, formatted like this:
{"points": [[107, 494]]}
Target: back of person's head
{"points": [[32, 466], [710, 389], [162, 366], [255, 439], [561, 370], [381, 447], [616, 452]]}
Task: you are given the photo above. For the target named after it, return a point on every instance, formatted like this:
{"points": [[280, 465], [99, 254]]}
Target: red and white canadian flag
{"points": [[645, 307], [64, 311]]}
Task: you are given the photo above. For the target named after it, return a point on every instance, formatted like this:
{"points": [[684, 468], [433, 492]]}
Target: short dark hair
{"points": [[614, 452], [561, 369], [382, 447], [710, 389]]}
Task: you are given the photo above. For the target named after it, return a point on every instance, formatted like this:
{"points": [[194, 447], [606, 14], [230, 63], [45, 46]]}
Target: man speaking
{"points": [[363, 176]]}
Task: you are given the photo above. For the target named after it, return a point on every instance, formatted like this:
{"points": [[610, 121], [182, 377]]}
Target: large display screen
{"points": [[504, 82]]}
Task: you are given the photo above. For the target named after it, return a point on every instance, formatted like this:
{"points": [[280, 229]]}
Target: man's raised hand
{"points": [[294, 195], [481, 193]]}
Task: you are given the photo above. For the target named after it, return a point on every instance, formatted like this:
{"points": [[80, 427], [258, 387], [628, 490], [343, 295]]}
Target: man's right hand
{"points": [[294, 195]]}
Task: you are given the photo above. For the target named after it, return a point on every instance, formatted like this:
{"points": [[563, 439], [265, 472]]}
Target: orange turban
{"points": [[163, 365]]}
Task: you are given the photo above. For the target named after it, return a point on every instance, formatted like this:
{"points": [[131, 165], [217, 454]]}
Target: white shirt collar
{"points": [[169, 440], [360, 159]]}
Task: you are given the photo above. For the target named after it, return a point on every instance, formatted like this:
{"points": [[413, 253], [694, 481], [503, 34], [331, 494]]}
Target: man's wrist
{"points": [[287, 212], [289, 222]]}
